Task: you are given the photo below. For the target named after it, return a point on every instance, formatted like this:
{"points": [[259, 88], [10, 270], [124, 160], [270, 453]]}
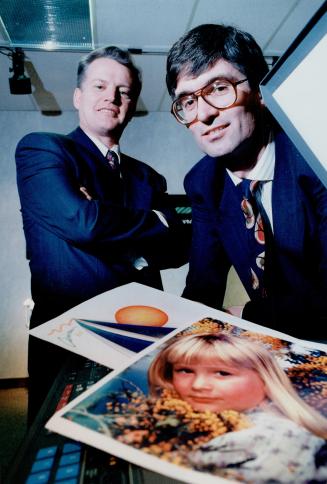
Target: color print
{"points": [[113, 327], [213, 403]]}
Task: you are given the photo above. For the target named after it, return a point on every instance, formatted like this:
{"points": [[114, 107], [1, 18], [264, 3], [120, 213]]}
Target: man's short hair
{"points": [[117, 54], [200, 48]]}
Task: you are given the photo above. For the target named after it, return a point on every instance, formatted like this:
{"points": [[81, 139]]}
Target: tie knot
{"points": [[248, 187], [112, 158]]}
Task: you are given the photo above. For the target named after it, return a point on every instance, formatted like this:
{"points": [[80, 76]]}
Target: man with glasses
{"points": [[256, 204]]}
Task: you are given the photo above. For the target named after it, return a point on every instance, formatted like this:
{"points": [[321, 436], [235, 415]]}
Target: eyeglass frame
{"points": [[198, 93]]}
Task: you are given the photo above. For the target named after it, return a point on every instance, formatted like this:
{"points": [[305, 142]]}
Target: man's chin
{"points": [[111, 130], [215, 149], [215, 152]]}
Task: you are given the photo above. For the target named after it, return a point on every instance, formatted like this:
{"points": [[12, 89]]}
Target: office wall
{"points": [[155, 138]]}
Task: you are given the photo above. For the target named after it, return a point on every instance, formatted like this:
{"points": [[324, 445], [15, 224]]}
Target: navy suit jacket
{"points": [[79, 248], [297, 272]]}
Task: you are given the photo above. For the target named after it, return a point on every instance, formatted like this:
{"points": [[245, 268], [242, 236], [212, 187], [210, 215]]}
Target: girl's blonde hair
{"points": [[242, 353]]}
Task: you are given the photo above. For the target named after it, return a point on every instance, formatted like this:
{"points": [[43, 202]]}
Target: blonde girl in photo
{"points": [[217, 372]]}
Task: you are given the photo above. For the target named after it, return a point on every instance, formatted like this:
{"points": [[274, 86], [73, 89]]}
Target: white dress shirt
{"points": [[263, 171], [102, 147]]}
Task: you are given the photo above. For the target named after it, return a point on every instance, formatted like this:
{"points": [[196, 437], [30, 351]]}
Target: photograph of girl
{"points": [[220, 372], [222, 401]]}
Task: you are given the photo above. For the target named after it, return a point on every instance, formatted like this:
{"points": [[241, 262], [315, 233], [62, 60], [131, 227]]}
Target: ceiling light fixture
{"points": [[19, 83]]}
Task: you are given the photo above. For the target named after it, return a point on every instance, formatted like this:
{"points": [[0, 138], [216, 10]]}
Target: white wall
{"points": [[164, 144], [155, 138]]}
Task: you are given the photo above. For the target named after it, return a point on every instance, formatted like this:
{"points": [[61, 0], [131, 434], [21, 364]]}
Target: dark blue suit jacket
{"points": [[79, 248], [297, 272]]}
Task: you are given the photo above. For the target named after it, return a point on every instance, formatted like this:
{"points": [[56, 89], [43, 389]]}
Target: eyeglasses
{"points": [[220, 94]]}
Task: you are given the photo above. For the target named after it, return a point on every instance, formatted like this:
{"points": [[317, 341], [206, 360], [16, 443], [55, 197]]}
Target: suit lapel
{"points": [[83, 141], [230, 225], [223, 200], [138, 191], [286, 202], [94, 172]]}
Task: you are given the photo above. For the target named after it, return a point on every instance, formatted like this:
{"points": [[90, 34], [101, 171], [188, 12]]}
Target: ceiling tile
{"points": [[258, 17], [293, 25], [142, 23]]}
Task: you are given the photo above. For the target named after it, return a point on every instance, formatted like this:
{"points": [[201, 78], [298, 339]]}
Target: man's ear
{"points": [[131, 112], [77, 97], [261, 101]]}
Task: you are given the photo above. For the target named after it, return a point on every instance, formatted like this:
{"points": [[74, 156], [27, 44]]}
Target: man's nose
{"points": [[110, 93], [205, 110]]}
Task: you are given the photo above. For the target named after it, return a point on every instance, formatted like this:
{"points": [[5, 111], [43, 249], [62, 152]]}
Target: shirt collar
{"points": [[102, 147], [263, 170]]}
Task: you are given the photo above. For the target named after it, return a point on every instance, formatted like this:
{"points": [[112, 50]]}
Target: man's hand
{"points": [[162, 218], [84, 191]]}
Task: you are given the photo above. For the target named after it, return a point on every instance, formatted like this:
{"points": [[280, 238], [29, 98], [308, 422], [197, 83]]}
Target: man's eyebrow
{"points": [[97, 79], [105, 81], [210, 81]]}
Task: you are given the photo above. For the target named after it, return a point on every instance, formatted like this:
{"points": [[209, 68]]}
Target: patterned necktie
{"points": [[115, 181], [113, 161], [254, 224]]}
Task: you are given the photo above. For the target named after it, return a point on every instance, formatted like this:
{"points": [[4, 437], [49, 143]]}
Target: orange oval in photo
{"points": [[141, 315]]}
